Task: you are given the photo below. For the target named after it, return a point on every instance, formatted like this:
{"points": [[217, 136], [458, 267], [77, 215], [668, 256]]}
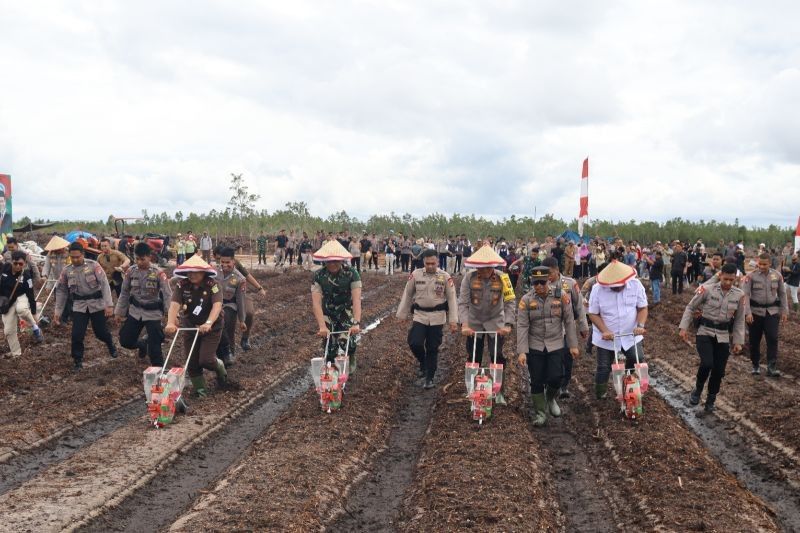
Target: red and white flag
{"points": [[797, 237], [583, 215]]}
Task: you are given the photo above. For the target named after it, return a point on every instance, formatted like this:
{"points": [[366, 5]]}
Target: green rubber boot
{"points": [[352, 365], [222, 374], [600, 390], [199, 386], [539, 409], [552, 406], [500, 398]]}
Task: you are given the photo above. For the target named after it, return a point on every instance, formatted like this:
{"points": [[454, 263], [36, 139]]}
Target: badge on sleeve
{"points": [[215, 289]]}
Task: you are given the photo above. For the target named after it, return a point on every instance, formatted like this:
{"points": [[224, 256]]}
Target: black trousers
{"points": [[116, 282], [458, 263], [129, 337], [374, 260], [405, 262], [79, 323], [356, 263], [713, 360], [764, 326], [443, 261], [489, 339], [677, 282], [545, 368], [566, 366], [424, 342], [227, 342]]}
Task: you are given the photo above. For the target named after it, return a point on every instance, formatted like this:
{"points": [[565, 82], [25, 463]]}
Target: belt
{"points": [[149, 306], [776, 303], [224, 301], [93, 296], [439, 307], [716, 325]]}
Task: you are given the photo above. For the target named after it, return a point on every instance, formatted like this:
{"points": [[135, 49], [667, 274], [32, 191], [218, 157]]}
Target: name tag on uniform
{"points": [[198, 310], [30, 283]]}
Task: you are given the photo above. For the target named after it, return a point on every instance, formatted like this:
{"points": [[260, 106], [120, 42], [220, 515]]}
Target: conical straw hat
{"points": [[615, 274], [56, 243], [485, 257], [195, 264], [332, 251]]}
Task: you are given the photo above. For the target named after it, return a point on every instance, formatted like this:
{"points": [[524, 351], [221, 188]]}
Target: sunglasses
{"points": [[540, 282], [19, 263]]}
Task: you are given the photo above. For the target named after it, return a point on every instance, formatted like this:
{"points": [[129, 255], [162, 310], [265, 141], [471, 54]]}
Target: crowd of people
{"points": [[559, 296]]}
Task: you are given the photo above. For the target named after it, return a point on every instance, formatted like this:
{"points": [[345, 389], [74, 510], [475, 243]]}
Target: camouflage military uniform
{"points": [[337, 304], [528, 264]]}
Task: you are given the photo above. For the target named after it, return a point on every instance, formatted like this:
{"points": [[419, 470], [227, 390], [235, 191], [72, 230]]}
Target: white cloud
{"points": [[685, 109]]}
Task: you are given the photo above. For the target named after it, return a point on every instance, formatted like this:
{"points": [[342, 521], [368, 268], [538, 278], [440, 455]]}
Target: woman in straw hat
{"points": [[617, 306], [486, 303], [336, 298], [198, 299]]}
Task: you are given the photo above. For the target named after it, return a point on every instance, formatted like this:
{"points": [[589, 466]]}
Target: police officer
{"points": [[250, 310], [431, 294], [233, 285], [722, 310], [114, 264], [336, 298], [542, 320], [713, 268], [486, 303], [84, 281], [561, 284], [143, 301], [767, 306], [198, 300]]}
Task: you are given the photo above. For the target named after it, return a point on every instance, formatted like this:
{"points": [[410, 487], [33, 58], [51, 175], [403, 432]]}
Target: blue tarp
{"points": [[73, 236], [573, 236]]}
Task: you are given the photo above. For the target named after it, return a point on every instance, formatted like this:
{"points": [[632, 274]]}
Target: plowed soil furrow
{"points": [[137, 452], [297, 476], [661, 475], [43, 409], [486, 478], [374, 503]]}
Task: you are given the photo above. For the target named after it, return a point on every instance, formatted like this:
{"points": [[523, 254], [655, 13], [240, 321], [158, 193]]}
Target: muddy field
{"points": [[76, 451]]}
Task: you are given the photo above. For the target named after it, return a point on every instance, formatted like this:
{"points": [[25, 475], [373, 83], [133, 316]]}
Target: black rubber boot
{"points": [[710, 399], [694, 399], [245, 343], [772, 370], [77, 366]]}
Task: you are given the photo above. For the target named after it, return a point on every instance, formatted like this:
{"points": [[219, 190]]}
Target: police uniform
{"points": [[432, 299], [86, 285], [486, 305], [721, 321], [337, 304], [766, 301], [144, 298], [567, 286], [54, 263], [195, 303], [542, 325], [234, 307]]}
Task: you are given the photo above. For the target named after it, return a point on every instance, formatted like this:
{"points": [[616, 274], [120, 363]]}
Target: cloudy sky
{"points": [[684, 108]]}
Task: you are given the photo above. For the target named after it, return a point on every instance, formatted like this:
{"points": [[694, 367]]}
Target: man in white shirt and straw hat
{"points": [[486, 303], [617, 306], [336, 298]]}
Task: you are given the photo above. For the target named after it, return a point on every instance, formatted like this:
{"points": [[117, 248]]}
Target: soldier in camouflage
{"points": [[336, 299]]}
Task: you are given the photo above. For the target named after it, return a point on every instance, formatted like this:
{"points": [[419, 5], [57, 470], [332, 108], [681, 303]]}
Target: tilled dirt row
{"points": [[657, 473], [298, 475], [101, 475], [41, 396], [487, 478]]}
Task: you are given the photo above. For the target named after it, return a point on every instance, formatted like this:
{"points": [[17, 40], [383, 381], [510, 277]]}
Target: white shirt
{"points": [[618, 310]]}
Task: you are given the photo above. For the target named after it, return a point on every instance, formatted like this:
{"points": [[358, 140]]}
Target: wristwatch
{"points": [[209, 322], [639, 325]]}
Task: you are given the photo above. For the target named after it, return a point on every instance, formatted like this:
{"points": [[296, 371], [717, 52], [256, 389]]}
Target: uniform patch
{"points": [[521, 304], [508, 290], [451, 282], [700, 290], [215, 289]]}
